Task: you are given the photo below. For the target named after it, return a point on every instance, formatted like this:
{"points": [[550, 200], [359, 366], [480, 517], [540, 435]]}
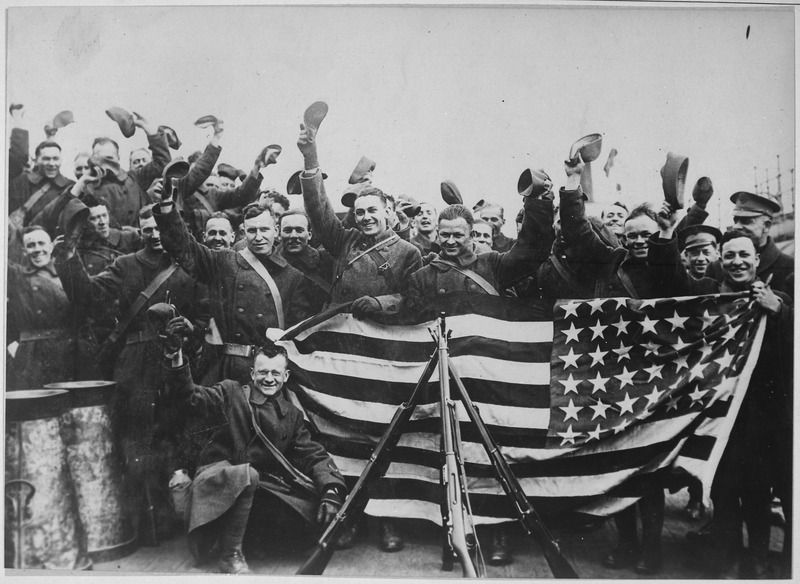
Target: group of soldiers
{"points": [[90, 259]]}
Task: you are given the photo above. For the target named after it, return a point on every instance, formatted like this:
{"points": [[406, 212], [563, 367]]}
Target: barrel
{"points": [[41, 507], [95, 466]]}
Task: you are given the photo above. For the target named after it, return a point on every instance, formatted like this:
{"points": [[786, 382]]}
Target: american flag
{"points": [[584, 404]]}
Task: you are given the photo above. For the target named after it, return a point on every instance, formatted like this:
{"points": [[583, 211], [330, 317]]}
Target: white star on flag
{"points": [[653, 397], [622, 352], [595, 434], [570, 359], [621, 325], [654, 371], [596, 305], [572, 333], [570, 308], [597, 356], [648, 325], [568, 436], [598, 383], [571, 410], [570, 384], [626, 405], [677, 321], [599, 409], [597, 330], [626, 377], [697, 394]]}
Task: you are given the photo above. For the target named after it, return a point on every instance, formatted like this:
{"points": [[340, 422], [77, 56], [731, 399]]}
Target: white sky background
{"points": [[470, 94]]}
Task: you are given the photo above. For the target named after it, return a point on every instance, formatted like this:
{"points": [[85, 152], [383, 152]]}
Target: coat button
{"points": [[240, 286], [38, 312], [259, 315], [238, 335], [240, 309], [35, 288], [442, 291]]}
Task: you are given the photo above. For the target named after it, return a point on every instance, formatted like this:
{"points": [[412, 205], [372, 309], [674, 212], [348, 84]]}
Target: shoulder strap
{"points": [[384, 268], [298, 477], [204, 202], [139, 303], [256, 264], [379, 260], [34, 198], [626, 282], [319, 281], [471, 274], [568, 277]]}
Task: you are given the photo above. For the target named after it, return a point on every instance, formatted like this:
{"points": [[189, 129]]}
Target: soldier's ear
{"points": [[286, 375]]}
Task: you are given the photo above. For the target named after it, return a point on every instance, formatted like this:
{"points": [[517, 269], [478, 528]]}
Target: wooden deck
{"points": [[421, 556]]}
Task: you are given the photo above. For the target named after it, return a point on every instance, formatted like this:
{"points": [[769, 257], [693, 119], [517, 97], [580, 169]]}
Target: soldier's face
{"points": [[98, 218], [493, 217], [139, 158], [294, 234], [212, 182], [739, 261], [49, 161], [757, 227], [107, 151], [637, 232], [372, 215], [482, 233], [426, 220], [226, 183], [150, 234], [260, 233], [454, 237], [269, 374], [81, 166], [218, 233], [699, 259], [614, 218], [37, 248]]}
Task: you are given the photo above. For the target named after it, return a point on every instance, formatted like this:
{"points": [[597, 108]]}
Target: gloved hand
{"points": [[176, 333], [364, 306], [329, 506]]}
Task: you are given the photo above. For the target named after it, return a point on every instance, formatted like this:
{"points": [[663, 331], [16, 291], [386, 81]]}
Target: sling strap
{"points": [[296, 476], [383, 266], [568, 277], [626, 282], [319, 281], [261, 270], [204, 202], [137, 305], [472, 275], [17, 217]]}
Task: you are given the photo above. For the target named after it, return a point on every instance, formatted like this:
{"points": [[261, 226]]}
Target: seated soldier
{"points": [[242, 459]]}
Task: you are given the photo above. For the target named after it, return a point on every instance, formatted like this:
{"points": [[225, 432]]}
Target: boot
{"points": [[391, 541], [347, 537], [499, 551], [234, 563]]}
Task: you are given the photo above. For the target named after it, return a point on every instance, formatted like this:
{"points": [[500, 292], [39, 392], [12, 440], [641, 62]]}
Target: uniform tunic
{"points": [[364, 276], [41, 319], [317, 267], [240, 301]]}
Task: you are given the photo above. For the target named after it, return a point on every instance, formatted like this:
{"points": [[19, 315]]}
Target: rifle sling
{"points": [[471, 274], [261, 270]]}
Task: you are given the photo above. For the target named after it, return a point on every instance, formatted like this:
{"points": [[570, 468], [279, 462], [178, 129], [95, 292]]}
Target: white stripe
{"points": [[468, 367], [464, 325], [492, 414]]}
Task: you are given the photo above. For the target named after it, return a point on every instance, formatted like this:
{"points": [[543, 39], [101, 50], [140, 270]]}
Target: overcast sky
{"points": [[474, 95]]}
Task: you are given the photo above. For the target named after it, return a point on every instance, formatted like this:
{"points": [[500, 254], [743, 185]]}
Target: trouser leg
{"points": [[234, 521], [651, 509]]}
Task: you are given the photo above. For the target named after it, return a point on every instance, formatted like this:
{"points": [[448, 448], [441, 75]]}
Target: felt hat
{"points": [[206, 121], [698, 236], [588, 146], [175, 169], [362, 171], [172, 137], [534, 183], [228, 171], [750, 205], [124, 120], [270, 154], [63, 119], [350, 194], [314, 115], [703, 188], [14, 106], [673, 179], [293, 184], [479, 205], [104, 164], [450, 193], [73, 215], [408, 205]]}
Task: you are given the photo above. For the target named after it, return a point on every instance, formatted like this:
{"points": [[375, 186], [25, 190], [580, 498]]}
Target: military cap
{"points": [[63, 119], [534, 183], [673, 178], [172, 137], [408, 205], [362, 171], [750, 205], [450, 193], [698, 236], [175, 169], [124, 120]]}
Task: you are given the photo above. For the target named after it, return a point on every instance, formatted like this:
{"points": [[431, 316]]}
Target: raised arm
{"points": [[159, 147], [195, 259], [533, 244], [327, 228]]}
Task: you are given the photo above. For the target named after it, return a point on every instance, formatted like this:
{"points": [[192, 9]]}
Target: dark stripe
{"points": [[385, 392], [698, 447]]}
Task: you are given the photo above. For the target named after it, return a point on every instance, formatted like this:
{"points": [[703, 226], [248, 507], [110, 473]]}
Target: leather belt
{"points": [[139, 337], [41, 334], [239, 350]]}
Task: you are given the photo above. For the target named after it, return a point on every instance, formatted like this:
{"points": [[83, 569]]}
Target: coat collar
{"points": [[467, 258], [275, 259], [35, 177], [279, 399], [365, 242], [114, 236], [49, 268], [769, 254], [309, 258], [151, 258]]}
